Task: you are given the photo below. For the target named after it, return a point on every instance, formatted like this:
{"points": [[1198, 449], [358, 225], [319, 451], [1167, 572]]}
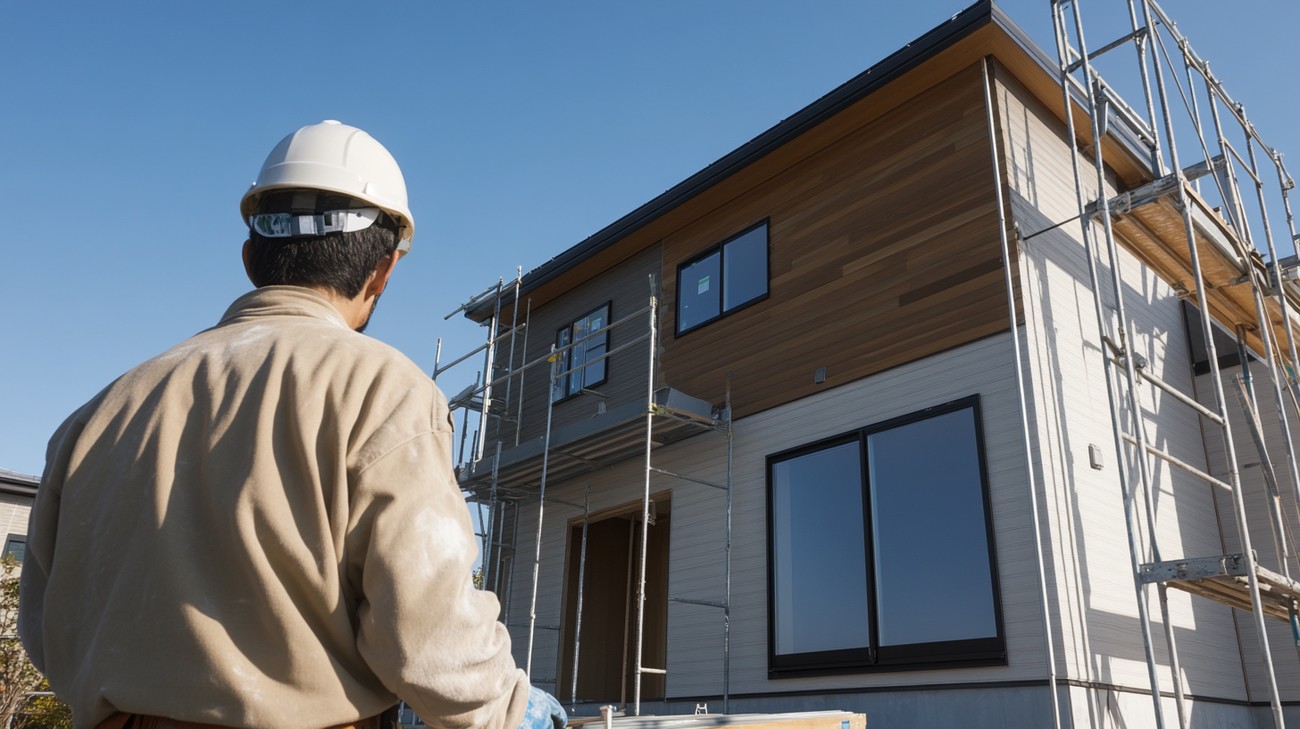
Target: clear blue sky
{"points": [[130, 130]]}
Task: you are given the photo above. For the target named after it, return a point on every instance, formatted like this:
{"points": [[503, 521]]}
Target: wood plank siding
{"points": [[883, 250]]}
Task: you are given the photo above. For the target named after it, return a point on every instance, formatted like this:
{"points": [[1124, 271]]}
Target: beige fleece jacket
{"points": [[261, 528]]}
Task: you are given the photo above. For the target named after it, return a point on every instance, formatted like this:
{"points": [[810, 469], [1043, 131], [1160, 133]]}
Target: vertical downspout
{"points": [[1020, 394]]}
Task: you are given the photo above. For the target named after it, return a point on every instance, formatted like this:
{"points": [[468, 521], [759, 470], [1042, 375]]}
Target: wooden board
{"points": [[800, 720]]}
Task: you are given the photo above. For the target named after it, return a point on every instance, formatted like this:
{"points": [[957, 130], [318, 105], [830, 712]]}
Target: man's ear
{"points": [[383, 270], [248, 259]]}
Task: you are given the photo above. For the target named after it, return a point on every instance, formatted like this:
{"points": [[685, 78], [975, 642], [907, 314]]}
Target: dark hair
{"points": [[341, 262]]}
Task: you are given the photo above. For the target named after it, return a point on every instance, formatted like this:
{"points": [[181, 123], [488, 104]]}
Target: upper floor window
{"points": [[881, 551], [583, 364], [727, 277]]}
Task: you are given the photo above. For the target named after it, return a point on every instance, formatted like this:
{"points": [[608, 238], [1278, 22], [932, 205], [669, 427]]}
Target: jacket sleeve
{"points": [[42, 533], [36, 574], [426, 632]]}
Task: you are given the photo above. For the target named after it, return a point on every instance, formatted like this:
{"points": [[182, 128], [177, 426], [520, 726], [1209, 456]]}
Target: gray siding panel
{"points": [[627, 288]]}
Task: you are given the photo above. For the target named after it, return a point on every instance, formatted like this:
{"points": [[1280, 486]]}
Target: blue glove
{"points": [[543, 711]]}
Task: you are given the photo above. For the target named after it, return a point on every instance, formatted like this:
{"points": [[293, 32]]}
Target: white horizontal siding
{"points": [[697, 542], [981, 368], [14, 511]]}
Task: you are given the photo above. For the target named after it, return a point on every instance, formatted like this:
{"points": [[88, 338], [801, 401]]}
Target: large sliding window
{"points": [[725, 278], [584, 363], [881, 549]]}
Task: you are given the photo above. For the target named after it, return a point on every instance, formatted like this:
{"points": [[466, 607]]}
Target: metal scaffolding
{"points": [[1222, 274], [518, 472]]}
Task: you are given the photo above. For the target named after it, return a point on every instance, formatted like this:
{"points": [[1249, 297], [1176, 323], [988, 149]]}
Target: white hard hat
{"points": [[336, 158]]}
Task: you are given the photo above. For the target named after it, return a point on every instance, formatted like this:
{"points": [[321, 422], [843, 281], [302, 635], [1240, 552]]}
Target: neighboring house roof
{"points": [[929, 45], [18, 484]]}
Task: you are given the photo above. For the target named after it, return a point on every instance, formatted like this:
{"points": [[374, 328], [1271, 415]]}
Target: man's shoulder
{"points": [[376, 372], [369, 353], [322, 354]]}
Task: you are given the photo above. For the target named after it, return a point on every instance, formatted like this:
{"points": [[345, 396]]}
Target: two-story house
{"points": [[906, 407], [17, 493]]}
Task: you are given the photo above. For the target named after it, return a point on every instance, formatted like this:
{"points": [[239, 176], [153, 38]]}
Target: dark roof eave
{"points": [[18, 484], [908, 57]]}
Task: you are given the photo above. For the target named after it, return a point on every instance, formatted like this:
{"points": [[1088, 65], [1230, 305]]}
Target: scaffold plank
{"points": [[798, 720], [1225, 579], [1153, 228]]}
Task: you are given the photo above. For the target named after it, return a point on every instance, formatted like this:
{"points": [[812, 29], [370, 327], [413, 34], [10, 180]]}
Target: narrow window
{"points": [[723, 279], [582, 346], [881, 548]]}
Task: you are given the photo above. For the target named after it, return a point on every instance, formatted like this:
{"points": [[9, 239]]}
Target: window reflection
{"points": [[723, 279], [907, 577], [927, 509], [584, 361], [820, 553]]}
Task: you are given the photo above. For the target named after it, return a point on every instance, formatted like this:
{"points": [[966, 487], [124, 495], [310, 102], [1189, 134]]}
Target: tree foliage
{"points": [[25, 702]]}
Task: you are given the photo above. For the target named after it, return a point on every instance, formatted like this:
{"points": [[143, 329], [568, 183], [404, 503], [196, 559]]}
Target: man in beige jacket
{"points": [[260, 527]]}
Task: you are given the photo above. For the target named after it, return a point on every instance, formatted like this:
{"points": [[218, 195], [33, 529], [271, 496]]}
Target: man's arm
{"points": [[426, 632], [42, 532]]}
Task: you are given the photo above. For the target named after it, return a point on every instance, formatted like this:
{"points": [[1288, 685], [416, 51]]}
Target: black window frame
{"points": [[719, 249], [990, 651], [566, 357]]}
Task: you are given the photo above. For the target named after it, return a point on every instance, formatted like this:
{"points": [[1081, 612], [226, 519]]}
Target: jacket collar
{"points": [[283, 301]]}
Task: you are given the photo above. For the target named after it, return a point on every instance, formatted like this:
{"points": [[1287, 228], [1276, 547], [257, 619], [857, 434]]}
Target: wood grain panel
{"points": [[883, 250]]}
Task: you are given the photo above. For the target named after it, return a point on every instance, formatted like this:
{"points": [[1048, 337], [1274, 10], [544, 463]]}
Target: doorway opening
{"points": [[607, 654]]}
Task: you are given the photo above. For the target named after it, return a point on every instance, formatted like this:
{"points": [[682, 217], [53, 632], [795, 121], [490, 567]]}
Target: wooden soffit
{"points": [[1155, 229]]}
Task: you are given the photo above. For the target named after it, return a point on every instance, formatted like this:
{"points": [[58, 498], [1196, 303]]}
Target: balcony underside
{"points": [[1149, 221], [617, 435]]}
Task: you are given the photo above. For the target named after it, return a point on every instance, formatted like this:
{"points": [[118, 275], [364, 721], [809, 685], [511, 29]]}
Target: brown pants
{"points": [[135, 721]]}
